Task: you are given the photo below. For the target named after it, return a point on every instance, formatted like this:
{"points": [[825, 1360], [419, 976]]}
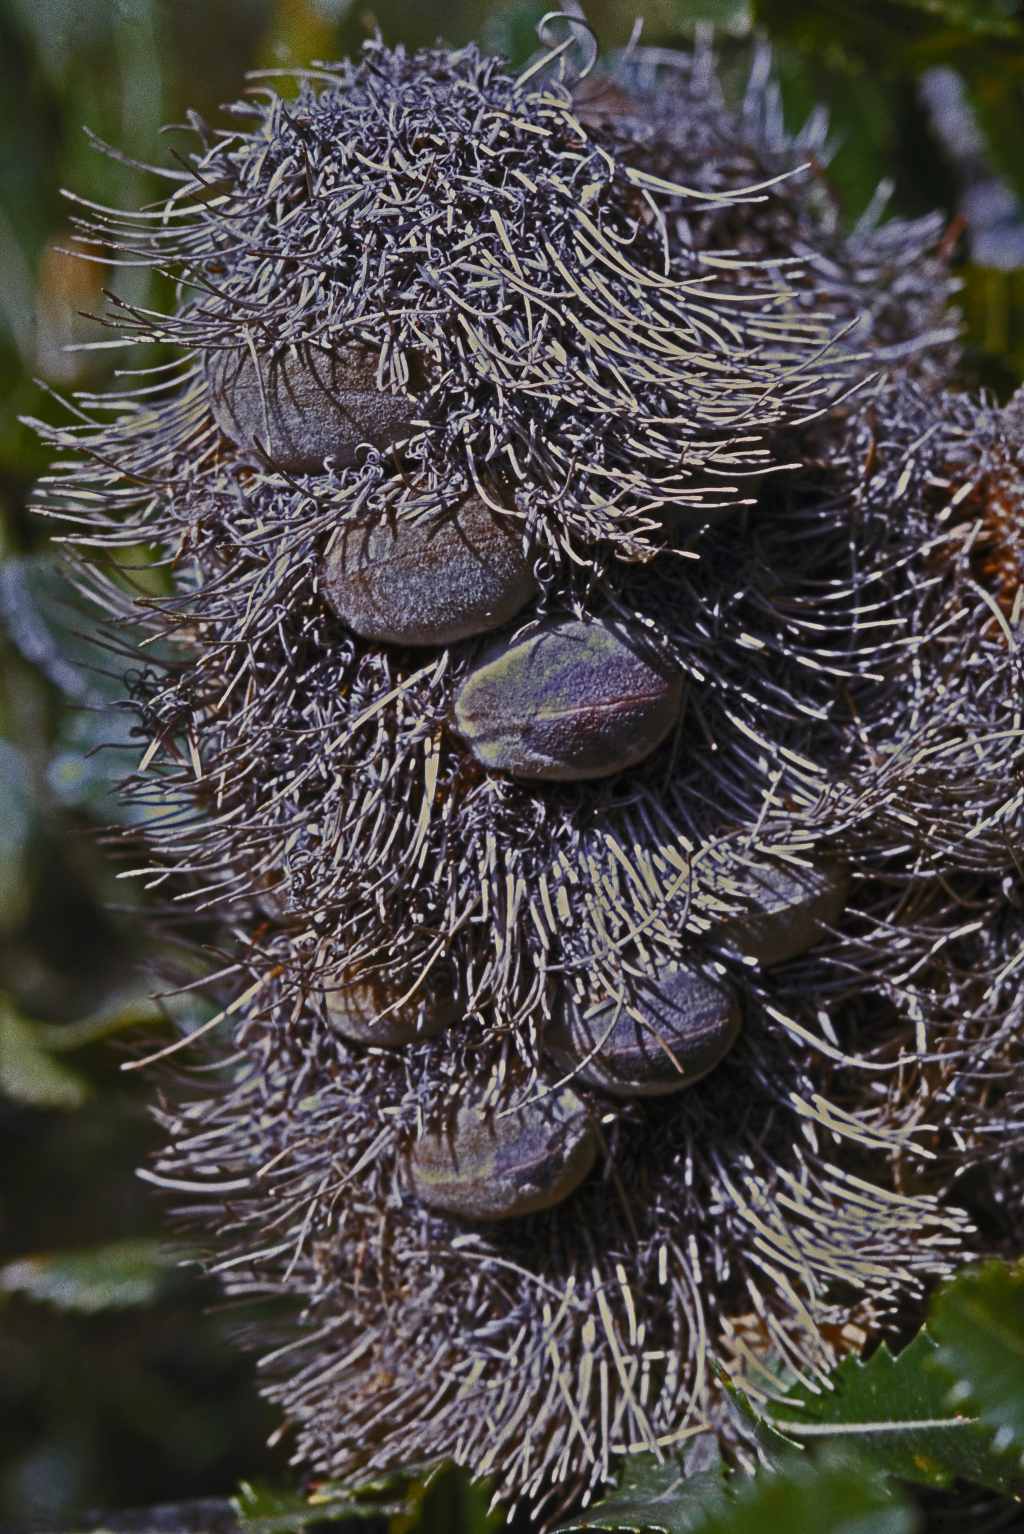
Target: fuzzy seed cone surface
{"points": [[630, 983]]}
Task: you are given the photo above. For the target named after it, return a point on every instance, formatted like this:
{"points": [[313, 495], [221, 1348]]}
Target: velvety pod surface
{"points": [[568, 702], [446, 577], [469, 705], [656, 1037], [305, 405], [790, 908], [494, 1166]]}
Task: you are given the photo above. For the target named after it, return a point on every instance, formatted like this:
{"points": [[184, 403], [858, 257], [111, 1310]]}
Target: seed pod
{"points": [[569, 701], [306, 405], [688, 1024], [432, 582], [490, 1167], [362, 1006], [791, 905]]}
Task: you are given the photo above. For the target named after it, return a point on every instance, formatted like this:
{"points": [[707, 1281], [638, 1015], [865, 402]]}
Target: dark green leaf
{"points": [[774, 1445], [448, 1502], [511, 30], [267, 1510], [437, 1499], [27, 1072], [978, 1322], [895, 1410], [134, 1272], [119, 1013], [657, 1497], [830, 1494], [908, 34]]}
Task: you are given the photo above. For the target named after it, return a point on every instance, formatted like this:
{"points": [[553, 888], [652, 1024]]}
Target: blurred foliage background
{"points": [[117, 1386]]}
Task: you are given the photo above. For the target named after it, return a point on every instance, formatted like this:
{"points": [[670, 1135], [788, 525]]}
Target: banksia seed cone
{"points": [[589, 700]]}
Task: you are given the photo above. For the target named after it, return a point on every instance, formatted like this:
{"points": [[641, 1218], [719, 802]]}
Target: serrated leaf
{"points": [[110, 1277], [830, 1493], [895, 1410], [418, 1499], [978, 1322], [655, 1496], [833, 1493], [773, 1444]]}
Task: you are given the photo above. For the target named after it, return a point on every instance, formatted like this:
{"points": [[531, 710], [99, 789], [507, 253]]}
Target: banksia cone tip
{"points": [[589, 702]]}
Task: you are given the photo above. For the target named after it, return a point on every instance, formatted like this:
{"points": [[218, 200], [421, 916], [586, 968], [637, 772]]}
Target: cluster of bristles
{"points": [[591, 669]]}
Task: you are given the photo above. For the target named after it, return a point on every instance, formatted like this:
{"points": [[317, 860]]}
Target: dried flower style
{"points": [[733, 798]]}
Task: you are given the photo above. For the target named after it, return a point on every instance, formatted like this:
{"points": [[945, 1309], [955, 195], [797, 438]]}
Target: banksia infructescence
{"points": [[590, 702]]}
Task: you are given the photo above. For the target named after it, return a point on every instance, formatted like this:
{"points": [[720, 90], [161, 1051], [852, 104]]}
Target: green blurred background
{"points": [[117, 1386]]}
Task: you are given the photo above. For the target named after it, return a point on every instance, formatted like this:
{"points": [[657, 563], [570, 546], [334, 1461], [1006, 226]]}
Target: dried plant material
{"points": [[616, 316], [995, 493], [446, 577], [660, 1035]]}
